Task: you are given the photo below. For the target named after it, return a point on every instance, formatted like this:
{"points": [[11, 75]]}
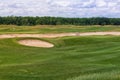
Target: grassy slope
{"points": [[55, 29], [73, 58]]}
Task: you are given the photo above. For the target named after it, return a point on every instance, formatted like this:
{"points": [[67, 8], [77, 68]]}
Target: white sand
{"points": [[58, 35], [36, 43]]}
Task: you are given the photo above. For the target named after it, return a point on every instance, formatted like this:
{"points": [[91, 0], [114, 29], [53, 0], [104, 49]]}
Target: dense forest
{"points": [[14, 20]]}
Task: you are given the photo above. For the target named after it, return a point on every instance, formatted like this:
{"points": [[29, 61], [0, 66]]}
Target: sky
{"points": [[60, 8]]}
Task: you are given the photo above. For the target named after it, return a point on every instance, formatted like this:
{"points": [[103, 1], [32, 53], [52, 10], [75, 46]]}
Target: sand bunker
{"points": [[58, 35], [35, 43]]}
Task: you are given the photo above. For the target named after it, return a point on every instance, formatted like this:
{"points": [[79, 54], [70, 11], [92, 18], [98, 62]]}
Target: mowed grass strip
{"points": [[5, 29], [72, 58]]}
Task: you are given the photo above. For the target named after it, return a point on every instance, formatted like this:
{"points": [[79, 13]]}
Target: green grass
{"points": [[72, 58], [55, 29]]}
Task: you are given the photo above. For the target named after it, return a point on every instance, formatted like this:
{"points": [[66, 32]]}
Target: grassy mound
{"points": [[72, 58]]}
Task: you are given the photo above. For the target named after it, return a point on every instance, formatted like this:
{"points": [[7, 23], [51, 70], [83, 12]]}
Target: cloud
{"points": [[63, 8]]}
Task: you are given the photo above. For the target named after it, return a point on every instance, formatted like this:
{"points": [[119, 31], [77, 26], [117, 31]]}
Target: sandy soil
{"points": [[38, 43], [58, 35]]}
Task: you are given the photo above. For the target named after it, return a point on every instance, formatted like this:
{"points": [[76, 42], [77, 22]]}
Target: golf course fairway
{"points": [[73, 57]]}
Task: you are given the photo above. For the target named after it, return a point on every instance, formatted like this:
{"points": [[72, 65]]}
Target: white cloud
{"points": [[101, 3], [64, 8]]}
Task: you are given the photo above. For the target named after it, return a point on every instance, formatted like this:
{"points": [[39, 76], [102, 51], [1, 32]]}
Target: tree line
{"points": [[15, 20]]}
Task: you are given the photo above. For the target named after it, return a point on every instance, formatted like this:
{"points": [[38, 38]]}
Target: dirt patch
{"points": [[36, 43]]}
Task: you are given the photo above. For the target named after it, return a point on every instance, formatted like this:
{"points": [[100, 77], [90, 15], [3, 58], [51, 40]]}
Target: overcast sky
{"points": [[62, 8]]}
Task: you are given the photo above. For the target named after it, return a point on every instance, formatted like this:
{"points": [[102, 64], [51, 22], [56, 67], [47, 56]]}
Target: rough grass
{"points": [[72, 58], [55, 29]]}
